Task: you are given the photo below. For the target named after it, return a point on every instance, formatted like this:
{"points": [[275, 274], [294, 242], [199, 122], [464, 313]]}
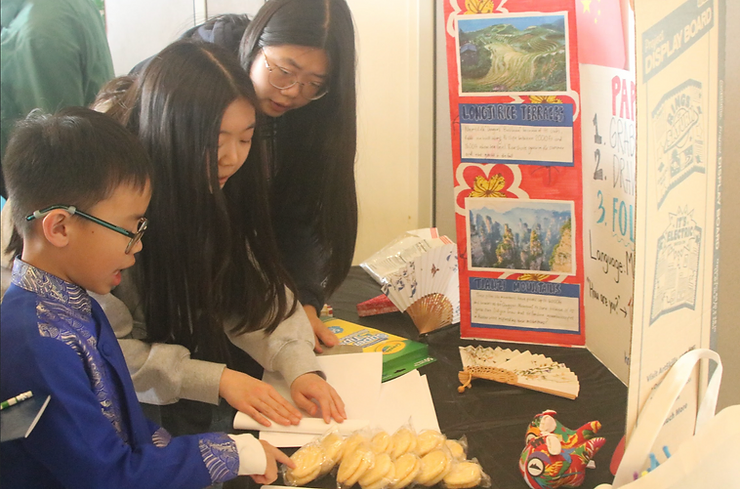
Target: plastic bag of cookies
{"points": [[404, 440], [381, 474], [308, 460], [381, 441], [333, 445], [428, 440], [358, 437], [405, 469], [435, 465], [458, 448], [466, 474], [358, 458]]}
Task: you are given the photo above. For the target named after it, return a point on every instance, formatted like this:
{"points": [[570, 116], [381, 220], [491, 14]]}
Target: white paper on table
{"points": [[406, 397], [355, 377], [285, 440], [307, 426]]}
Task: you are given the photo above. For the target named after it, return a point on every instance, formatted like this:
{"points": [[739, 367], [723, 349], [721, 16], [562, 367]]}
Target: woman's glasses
{"points": [[134, 237], [283, 79]]}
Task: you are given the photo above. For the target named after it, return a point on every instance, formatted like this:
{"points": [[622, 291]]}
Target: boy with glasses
{"points": [[55, 339]]}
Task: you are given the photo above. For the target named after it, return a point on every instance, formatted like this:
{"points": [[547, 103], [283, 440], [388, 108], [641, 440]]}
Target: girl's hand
{"points": [[257, 399], [322, 334], [274, 457], [311, 393]]}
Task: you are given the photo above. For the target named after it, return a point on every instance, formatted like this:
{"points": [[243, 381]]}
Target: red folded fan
{"points": [[377, 305]]}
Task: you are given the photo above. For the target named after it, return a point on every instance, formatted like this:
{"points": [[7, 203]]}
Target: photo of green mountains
{"points": [[529, 236], [513, 54]]}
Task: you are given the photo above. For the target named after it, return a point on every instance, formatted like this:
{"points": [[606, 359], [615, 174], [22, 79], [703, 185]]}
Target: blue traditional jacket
{"points": [[55, 340]]}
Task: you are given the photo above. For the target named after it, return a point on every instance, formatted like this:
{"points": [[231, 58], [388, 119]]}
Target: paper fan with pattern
{"points": [[524, 369], [418, 273]]}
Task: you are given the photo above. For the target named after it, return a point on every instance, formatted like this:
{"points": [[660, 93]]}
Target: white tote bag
{"points": [[704, 461]]}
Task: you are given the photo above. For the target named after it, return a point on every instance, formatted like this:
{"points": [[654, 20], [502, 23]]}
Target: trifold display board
{"points": [[586, 140]]}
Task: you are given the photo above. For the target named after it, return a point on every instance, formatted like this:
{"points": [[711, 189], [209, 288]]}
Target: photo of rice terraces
{"points": [[523, 238], [513, 54]]}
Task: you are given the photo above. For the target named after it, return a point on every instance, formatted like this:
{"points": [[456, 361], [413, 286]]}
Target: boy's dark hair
{"points": [[75, 157]]}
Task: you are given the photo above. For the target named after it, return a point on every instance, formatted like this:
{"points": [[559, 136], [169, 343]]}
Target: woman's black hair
{"points": [[111, 99], [314, 147], [209, 254]]}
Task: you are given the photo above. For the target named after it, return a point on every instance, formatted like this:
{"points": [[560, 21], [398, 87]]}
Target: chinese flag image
{"points": [[600, 33]]}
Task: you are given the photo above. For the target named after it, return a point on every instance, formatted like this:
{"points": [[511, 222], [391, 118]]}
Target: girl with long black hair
{"points": [[210, 278]]}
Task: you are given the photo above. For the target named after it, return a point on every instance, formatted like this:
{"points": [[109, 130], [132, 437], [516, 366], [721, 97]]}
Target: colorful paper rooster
{"points": [[556, 456]]}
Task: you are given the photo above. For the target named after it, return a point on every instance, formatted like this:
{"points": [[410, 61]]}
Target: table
{"points": [[493, 416]]}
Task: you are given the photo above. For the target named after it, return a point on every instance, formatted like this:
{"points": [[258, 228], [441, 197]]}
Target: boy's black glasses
{"points": [[135, 237]]}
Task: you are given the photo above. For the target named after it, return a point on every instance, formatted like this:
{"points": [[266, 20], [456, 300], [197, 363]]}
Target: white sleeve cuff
{"points": [[252, 458]]}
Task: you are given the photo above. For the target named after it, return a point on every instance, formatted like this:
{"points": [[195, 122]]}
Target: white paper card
{"points": [[406, 397], [355, 377]]}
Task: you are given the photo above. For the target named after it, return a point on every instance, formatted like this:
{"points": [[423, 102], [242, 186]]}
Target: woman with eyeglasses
{"points": [[300, 56]]}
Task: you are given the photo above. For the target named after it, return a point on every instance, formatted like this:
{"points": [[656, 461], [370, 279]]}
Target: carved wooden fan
{"points": [[524, 369]]}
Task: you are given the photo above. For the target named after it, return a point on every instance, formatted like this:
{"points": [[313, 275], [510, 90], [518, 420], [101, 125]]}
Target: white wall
{"points": [[444, 218], [395, 97], [216, 7], [395, 119], [138, 29]]}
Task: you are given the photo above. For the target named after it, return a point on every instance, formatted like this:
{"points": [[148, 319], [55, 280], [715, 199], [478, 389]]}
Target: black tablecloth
{"points": [[493, 416]]}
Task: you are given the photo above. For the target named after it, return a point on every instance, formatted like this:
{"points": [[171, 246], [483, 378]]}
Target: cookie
{"points": [[407, 467], [333, 446], [381, 442], [353, 441], [292, 481], [354, 465], [434, 466], [384, 482], [404, 441], [428, 440], [456, 449], [378, 471], [463, 475], [308, 461]]}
